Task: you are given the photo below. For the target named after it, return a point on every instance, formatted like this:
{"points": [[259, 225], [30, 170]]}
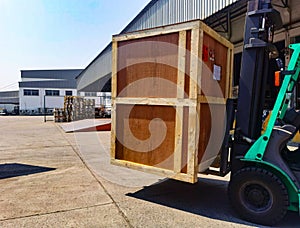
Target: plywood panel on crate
{"points": [[143, 63], [212, 125], [217, 56], [144, 148], [162, 83]]}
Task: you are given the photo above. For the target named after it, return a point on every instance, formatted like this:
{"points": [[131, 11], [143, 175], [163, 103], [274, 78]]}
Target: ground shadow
{"points": [[15, 170], [207, 198]]}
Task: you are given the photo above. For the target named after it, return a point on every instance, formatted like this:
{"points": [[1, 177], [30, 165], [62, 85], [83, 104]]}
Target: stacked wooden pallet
{"points": [[59, 115], [75, 108], [79, 108]]}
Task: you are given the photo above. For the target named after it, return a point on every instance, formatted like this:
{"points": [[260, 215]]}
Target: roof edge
{"points": [[94, 60], [140, 14], [51, 70], [151, 3]]}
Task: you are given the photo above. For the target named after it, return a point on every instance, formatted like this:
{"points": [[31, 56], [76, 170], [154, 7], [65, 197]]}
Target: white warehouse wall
{"points": [[36, 103]]}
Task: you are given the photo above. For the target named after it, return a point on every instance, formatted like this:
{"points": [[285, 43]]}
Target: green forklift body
{"points": [[256, 153]]}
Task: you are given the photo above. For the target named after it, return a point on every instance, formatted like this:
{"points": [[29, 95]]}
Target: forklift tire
{"points": [[258, 196]]}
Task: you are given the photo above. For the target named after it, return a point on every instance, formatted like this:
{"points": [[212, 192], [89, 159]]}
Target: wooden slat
{"points": [[114, 69], [200, 62], [155, 101], [114, 94], [153, 170], [229, 73], [180, 95], [194, 68], [216, 36], [158, 31], [192, 142], [178, 139], [181, 64], [194, 112], [211, 100]]}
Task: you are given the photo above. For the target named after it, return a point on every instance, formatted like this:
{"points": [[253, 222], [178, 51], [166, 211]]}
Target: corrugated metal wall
{"points": [[157, 13], [99, 68], [165, 12]]}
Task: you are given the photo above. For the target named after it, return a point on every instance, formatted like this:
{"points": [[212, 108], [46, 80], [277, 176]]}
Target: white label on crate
{"points": [[217, 72]]}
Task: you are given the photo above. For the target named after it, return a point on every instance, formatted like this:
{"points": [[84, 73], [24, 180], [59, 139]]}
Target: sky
{"points": [[57, 34]]}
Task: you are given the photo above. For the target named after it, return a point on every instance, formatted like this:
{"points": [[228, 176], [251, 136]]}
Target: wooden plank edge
{"points": [[157, 31], [154, 170], [113, 131], [114, 94], [200, 64], [193, 130], [155, 101], [194, 63], [178, 139], [211, 100], [181, 64], [114, 69], [180, 95], [209, 31], [229, 73]]}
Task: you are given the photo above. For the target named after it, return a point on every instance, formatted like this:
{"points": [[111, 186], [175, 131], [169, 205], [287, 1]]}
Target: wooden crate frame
{"points": [[193, 102]]}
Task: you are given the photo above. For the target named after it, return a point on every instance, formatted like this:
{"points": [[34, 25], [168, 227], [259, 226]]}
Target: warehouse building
{"points": [[227, 17], [44, 90], [9, 102]]}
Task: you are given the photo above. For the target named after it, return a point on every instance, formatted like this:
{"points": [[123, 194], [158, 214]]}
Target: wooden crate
{"points": [[169, 88]]}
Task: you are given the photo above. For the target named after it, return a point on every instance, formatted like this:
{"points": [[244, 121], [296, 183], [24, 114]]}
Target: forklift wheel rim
{"points": [[256, 196]]}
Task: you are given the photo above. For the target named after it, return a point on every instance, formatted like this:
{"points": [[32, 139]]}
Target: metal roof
{"points": [[6, 94], [51, 74], [156, 13], [215, 13], [165, 12], [102, 84], [59, 79], [58, 84], [9, 97], [9, 100]]}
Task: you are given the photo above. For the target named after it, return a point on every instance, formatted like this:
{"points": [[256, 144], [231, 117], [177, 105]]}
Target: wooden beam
{"points": [[154, 170], [181, 64], [178, 139], [211, 100], [113, 96], [216, 36], [193, 137], [179, 108], [229, 73], [158, 31], [194, 65], [155, 101]]}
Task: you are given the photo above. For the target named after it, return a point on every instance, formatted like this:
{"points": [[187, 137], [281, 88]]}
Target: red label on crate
{"points": [[205, 54]]}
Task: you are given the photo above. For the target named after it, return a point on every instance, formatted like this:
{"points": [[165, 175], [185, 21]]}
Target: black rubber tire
{"points": [[258, 196]]}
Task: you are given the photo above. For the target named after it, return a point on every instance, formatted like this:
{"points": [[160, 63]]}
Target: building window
{"points": [[69, 93], [31, 92], [90, 94], [52, 92]]}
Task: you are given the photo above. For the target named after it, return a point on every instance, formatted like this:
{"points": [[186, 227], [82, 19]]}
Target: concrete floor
{"points": [[52, 179]]}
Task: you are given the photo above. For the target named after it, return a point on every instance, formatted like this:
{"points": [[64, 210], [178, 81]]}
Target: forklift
{"points": [[265, 173]]}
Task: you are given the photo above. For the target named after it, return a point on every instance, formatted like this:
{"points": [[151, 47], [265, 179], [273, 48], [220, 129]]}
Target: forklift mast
{"points": [[261, 22]]}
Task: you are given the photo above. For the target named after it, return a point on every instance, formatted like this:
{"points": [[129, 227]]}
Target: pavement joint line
{"points": [[95, 177], [28, 148], [55, 212]]}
